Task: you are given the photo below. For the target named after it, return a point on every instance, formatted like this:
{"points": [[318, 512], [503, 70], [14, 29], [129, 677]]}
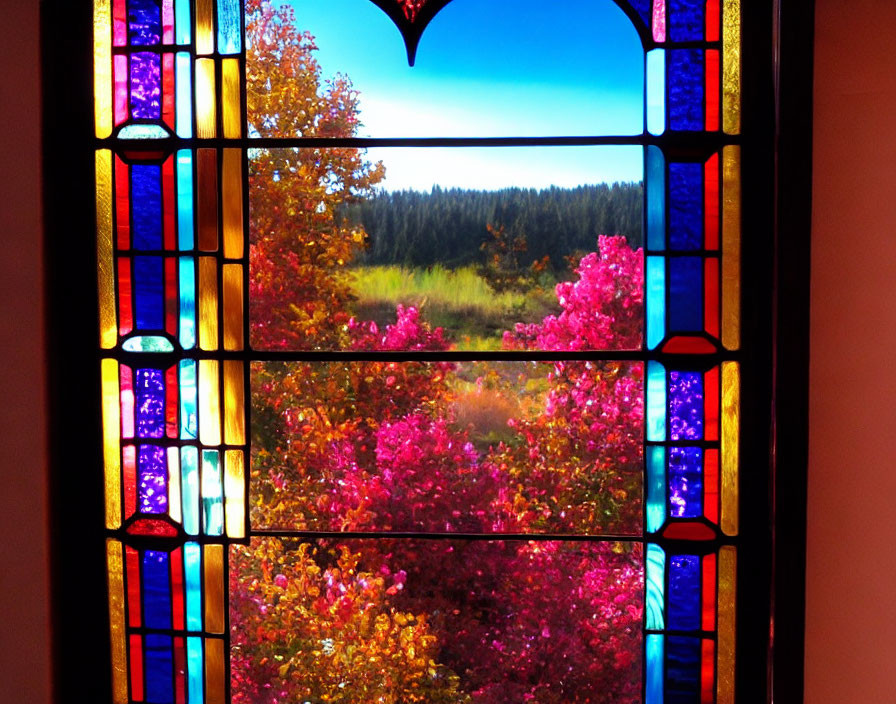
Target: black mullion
{"points": [[678, 362], [694, 141], [700, 633], [424, 535], [174, 632], [161, 48]]}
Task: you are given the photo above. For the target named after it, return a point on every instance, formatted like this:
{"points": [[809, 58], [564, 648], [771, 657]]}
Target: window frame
{"points": [[777, 92]]}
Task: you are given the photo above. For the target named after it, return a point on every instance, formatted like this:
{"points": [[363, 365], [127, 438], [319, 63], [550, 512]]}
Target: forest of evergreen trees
{"points": [[448, 226]]}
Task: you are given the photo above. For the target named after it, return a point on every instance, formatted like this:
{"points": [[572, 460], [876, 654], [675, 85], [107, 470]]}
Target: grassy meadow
{"points": [[459, 300]]}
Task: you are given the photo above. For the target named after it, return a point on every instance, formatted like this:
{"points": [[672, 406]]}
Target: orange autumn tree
{"points": [[298, 246], [324, 634]]}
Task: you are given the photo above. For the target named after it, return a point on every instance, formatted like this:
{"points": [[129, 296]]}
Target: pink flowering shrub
{"points": [[603, 309], [380, 445]]}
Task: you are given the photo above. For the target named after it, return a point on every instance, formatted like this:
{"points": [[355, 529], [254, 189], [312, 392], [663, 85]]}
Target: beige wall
{"points": [[851, 620], [851, 595]]}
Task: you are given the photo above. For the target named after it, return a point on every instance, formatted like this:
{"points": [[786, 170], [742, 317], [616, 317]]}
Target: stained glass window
{"points": [[345, 463]]}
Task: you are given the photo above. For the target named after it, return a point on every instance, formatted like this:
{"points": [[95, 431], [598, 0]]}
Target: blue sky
{"points": [[491, 68]]}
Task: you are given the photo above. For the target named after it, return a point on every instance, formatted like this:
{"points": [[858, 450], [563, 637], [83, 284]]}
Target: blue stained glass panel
{"points": [[159, 659], [653, 685], [682, 670], [656, 402], [187, 277], [146, 85], [656, 488], [189, 487], [643, 8], [685, 294], [686, 82], [185, 199], [147, 343], [656, 91], [182, 22], [149, 284], [156, 589], [229, 34], [212, 493], [685, 206], [686, 405], [153, 479], [656, 300], [193, 586], [194, 669], [142, 131], [656, 568], [183, 119], [146, 200], [656, 199], [149, 407], [684, 593], [687, 20], [686, 482], [144, 22]]}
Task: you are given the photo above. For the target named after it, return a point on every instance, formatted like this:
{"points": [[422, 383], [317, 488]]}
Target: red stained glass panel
{"points": [[125, 311], [136, 667], [171, 402], [177, 589], [122, 204], [172, 299], [168, 89], [713, 77], [132, 559], [711, 203], [129, 468], [711, 485], [707, 674], [711, 296]]}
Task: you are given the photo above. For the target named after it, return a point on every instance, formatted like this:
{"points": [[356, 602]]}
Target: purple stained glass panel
{"points": [[153, 479], [144, 22], [149, 407], [686, 405], [146, 86], [686, 481]]}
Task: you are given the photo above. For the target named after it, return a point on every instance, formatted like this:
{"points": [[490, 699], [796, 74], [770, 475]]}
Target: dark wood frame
{"points": [[778, 49]]}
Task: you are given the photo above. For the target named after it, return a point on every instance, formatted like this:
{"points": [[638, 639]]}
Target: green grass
{"points": [[459, 300]]}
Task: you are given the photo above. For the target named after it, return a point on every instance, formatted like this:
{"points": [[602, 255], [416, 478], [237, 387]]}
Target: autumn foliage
{"points": [[424, 447]]}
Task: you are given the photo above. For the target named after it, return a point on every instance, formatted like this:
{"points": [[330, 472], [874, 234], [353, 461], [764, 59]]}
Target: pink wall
{"points": [[24, 628], [851, 595], [851, 619]]}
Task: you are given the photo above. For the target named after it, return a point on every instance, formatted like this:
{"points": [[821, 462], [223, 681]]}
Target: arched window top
{"points": [[413, 16], [482, 70]]}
